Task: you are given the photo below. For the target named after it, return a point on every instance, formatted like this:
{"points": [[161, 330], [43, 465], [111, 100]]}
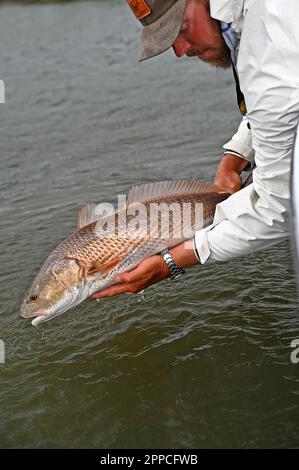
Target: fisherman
{"points": [[259, 39]]}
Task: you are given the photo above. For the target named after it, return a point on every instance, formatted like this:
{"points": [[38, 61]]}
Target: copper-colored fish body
{"points": [[88, 260]]}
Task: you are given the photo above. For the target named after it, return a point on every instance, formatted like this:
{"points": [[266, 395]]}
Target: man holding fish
{"points": [[260, 39]]}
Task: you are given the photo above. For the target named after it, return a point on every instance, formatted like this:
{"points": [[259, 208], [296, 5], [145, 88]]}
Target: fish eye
{"points": [[32, 298]]}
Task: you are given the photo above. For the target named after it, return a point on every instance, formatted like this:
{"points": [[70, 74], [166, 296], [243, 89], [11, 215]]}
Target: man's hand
{"points": [[228, 173], [154, 269], [149, 272]]}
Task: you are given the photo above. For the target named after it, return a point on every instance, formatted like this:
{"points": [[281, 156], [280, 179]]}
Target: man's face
{"points": [[200, 36]]}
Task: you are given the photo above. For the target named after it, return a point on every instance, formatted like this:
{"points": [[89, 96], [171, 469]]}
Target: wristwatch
{"points": [[175, 271]]}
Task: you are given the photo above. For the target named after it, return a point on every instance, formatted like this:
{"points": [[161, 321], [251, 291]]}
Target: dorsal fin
{"points": [[86, 215], [144, 193], [150, 191], [89, 213]]}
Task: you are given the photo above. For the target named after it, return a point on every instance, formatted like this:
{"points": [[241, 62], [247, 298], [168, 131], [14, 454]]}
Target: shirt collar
{"points": [[231, 40], [229, 11]]}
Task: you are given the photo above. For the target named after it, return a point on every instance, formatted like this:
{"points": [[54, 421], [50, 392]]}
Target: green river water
{"points": [[203, 362]]}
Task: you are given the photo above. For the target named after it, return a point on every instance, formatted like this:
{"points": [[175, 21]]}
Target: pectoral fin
{"points": [[99, 267], [87, 269]]}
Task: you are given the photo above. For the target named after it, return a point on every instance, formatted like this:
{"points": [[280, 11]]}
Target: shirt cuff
{"points": [[202, 246], [241, 142], [241, 150], [249, 166], [195, 250]]}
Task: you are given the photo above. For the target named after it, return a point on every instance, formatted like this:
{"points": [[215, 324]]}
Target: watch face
{"points": [[175, 271]]}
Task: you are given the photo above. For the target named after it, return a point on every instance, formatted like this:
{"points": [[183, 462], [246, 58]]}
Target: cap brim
{"points": [[160, 36]]}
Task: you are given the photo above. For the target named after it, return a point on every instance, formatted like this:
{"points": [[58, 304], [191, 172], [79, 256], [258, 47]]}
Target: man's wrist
{"points": [[184, 254], [195, 250], [228, 173], [164, 269], [174, 269], [233, 162]]}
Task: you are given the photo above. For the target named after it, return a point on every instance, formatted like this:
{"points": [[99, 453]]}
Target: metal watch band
{"points": [[175, 271]]}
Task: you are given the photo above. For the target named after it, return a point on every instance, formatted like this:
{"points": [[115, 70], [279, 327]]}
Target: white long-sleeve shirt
{"points": [[241, 143], [268, 67]]}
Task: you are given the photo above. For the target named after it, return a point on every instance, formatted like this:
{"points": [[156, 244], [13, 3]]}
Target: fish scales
{"points": [[61, 282]]}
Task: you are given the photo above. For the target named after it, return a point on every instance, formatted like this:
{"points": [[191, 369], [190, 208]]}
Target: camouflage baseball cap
{"points": [[161, 20]]}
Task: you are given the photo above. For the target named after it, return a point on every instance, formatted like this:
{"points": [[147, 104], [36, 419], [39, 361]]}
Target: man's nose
{"points": [[180, 46]]}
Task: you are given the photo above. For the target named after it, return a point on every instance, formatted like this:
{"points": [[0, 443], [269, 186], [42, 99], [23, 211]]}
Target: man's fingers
{"points": [[115, 290], [131, 276], [109, 292], [124, 278], [134, 281]]}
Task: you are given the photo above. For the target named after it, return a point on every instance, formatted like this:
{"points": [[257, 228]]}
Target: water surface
{"points": [[203, 362]]}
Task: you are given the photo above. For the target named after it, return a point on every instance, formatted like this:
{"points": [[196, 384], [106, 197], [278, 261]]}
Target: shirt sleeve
{"points": [[241, 143], [257, 216]]}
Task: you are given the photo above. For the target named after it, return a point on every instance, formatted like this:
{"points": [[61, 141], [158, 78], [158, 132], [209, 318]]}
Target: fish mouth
{"points": [[40, 313], [44, 317], [39, 319]]}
